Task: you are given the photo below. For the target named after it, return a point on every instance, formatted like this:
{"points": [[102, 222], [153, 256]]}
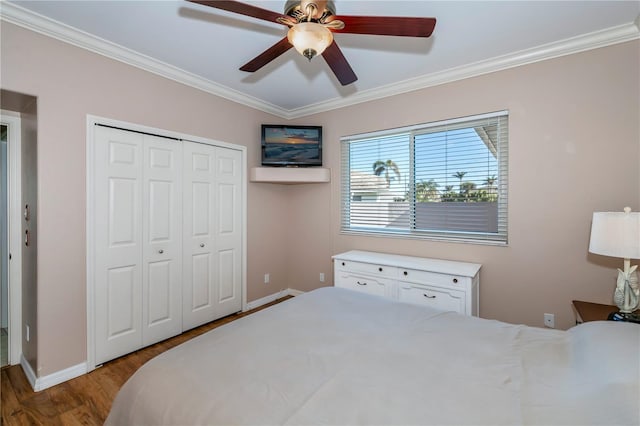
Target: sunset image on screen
{"points": [[285, 135]]}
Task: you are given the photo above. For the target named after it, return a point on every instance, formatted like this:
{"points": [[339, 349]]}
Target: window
{"points": [[443, 180]]}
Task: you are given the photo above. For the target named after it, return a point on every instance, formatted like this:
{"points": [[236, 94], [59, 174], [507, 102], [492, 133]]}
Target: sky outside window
{"points": [[438, 156]]}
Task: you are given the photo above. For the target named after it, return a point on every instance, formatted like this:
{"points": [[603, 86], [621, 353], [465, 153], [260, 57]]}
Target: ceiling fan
{"points": [[311, 24]]}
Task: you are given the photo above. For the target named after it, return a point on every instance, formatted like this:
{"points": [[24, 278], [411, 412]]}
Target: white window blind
{"points": [[444, 180]]}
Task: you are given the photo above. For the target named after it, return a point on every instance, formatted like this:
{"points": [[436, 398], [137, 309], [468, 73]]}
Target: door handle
{"points": [[201, 244], [160, 251]]}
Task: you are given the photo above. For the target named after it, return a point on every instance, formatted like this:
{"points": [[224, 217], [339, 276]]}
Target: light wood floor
{"points": [[85, 400]]}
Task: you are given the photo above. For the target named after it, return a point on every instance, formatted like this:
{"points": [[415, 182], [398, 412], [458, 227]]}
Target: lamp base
{"points": [[623, 316], [627, 293]]}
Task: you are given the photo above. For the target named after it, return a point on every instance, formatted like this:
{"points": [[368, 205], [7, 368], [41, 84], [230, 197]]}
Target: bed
{"points": [[337, 357]]}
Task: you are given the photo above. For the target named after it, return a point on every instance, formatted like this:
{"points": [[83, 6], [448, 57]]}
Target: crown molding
{"points": [[25, 18], [594, 40]]}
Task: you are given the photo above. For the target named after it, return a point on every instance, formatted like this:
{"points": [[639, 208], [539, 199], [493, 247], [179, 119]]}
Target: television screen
{"points": [[291, 145]]}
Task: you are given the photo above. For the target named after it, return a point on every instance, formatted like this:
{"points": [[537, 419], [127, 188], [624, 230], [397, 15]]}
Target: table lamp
{"points": [[617, 234]]}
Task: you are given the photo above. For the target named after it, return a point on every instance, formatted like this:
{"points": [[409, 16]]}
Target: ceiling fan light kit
{"points": [[309, 38], [311, 25]]}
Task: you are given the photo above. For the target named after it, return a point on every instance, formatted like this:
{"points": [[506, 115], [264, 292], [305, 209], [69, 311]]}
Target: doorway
{"points": [[10, 238]]}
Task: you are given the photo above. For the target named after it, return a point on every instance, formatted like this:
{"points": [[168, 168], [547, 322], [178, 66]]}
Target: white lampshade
{"points": [[616, 234], [309, 38]]}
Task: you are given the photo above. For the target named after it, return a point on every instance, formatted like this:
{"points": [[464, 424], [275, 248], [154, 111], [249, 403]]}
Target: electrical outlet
{"points": [[549, 321], [266, 278], [321, 277]]}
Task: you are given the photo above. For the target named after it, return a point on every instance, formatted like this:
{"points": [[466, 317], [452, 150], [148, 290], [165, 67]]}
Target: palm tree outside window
{"points": [[383, 167]]}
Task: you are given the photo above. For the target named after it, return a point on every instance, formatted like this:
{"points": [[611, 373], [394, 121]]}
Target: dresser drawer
{"points": [[365, 284], [440, 280], [436, 297], [366, 268]]}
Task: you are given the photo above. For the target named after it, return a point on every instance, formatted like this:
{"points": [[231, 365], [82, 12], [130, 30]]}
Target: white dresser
{"points": [[443, 284]]}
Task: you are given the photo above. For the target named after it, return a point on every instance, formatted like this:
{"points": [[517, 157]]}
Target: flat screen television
{"points": [[291, 146]]}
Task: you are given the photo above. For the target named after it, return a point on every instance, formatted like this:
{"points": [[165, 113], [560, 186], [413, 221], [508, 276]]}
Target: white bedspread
{"points": [[337, 357]]}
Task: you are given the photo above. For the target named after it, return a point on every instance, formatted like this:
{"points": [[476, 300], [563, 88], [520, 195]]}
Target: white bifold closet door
{"points": [[212, 234], [138, 236], [168, 237]]}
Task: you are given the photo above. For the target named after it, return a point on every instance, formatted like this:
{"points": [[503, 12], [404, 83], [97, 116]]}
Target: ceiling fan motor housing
{"points": [[296, 8]]}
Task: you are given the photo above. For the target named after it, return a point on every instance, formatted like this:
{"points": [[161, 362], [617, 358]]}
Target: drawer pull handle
{"points": [[429, 297], [455, 280], [342, 263], [406, 273], [359, 283], [380, 269]]}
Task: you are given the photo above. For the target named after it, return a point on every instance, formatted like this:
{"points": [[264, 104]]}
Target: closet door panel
{"points": [[122, 211], [162, 231], [227, 275], [200, 283], [228, 230], [118, 242], [121, 289], [199, 256], [159, 292]]}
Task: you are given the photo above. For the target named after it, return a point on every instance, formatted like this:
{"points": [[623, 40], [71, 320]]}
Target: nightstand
{"points": [[587, 311]]}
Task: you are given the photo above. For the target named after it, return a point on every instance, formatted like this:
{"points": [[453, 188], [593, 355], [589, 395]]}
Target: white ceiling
{"points": [[204, 47]]}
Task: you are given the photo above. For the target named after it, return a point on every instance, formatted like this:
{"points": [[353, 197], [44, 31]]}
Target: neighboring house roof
{"points": [[489, 135], [364, 182]]}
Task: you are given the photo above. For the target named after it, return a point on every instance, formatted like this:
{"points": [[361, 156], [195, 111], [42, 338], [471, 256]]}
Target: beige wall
{"points": [[70, 83], [29, 180], [574, 147]]}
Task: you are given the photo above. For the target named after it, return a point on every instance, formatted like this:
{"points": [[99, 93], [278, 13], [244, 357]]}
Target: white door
{"points": [[228, 231], [118, 242], [212, 233], [138, 235], [162, 235]]}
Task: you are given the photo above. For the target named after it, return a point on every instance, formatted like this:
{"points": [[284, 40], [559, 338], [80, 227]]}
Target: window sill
{"points": [[410, 236]]}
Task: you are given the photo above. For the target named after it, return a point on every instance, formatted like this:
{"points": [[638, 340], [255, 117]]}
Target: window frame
{"points": [[486, 238]]}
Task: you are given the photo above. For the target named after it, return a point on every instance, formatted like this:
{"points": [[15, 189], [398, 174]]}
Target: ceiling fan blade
{"points": [[241, 8], [386, 25], [267, 56], [338, 64]]}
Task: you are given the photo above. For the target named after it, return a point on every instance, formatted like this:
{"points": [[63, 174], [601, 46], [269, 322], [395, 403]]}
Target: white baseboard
{"points": [[60, 376], [28, 371], [272, 297], [41, 383]]}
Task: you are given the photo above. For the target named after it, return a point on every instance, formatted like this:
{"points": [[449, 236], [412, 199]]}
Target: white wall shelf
{"points": [[290, 175]]}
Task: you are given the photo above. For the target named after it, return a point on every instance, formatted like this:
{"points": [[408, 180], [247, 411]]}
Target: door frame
{"points": [[12, 120], [92, 121]]}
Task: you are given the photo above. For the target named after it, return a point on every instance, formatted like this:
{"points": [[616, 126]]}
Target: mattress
{"points": [[337, 357]]}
